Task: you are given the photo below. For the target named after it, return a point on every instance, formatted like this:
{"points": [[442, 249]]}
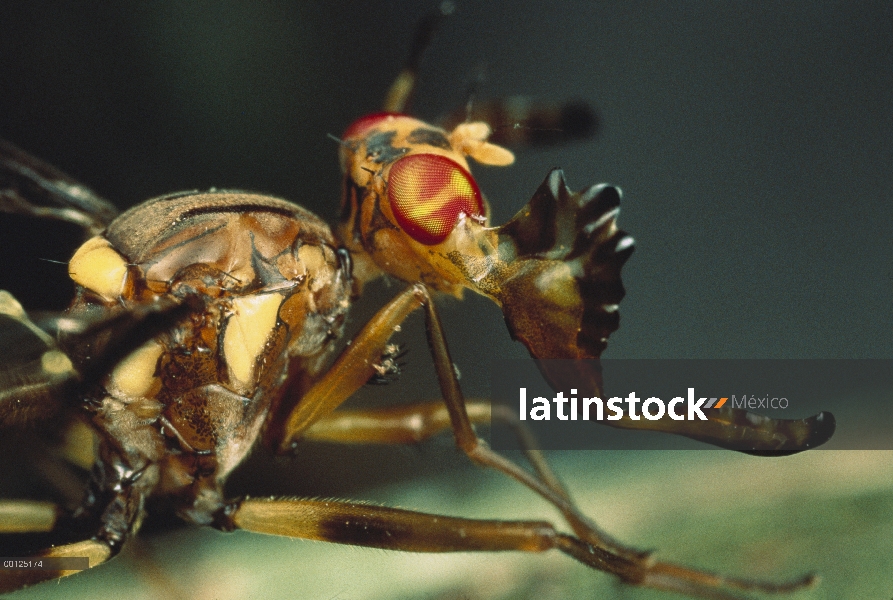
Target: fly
{"points": [[205, 323]]}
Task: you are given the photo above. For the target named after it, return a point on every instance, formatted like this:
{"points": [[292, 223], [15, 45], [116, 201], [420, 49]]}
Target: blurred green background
{"points": [[753, 142]]}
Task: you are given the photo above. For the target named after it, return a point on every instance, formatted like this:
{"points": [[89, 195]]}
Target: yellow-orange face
{"points": [[409, 196]]}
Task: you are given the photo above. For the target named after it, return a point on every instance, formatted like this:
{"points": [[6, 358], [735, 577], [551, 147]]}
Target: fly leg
{"points": [[112, 511], [354, 367], [28, 516], [410, 531], [415, 423], [645, 571], [468, 441], [95, 551], [22, 516], [399, 529]]}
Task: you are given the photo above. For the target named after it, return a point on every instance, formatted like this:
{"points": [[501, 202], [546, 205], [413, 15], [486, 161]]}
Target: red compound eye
{"points": [[363, 124], [427, 192]]}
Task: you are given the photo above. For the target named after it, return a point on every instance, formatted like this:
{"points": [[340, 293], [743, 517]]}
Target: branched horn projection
{"points": [[561, 300], [555, 270], [559, 283]]}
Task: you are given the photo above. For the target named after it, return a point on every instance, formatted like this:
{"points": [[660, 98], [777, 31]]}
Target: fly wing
{"points": [[34, 374], [43, 367], [518, 121], [31, 187]]}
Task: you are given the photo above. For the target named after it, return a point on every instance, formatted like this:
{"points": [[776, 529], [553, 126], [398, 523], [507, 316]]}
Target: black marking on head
{"points": [[380, 147], [429, 137]]}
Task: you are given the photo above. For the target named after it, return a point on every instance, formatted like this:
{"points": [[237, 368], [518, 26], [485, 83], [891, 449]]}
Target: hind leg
{"points": [[22, 516]]}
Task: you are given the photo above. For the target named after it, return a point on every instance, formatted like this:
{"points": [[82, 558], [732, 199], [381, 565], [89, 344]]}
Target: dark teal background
{"points": [[753, 141]]}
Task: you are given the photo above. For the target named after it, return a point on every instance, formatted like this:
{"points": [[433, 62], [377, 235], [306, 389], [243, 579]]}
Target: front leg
{"points": [[355, 366], [415, 423]]}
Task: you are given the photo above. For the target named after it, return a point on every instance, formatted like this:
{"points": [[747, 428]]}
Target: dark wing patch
{"points": [[380, 147], [519, 122]]}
